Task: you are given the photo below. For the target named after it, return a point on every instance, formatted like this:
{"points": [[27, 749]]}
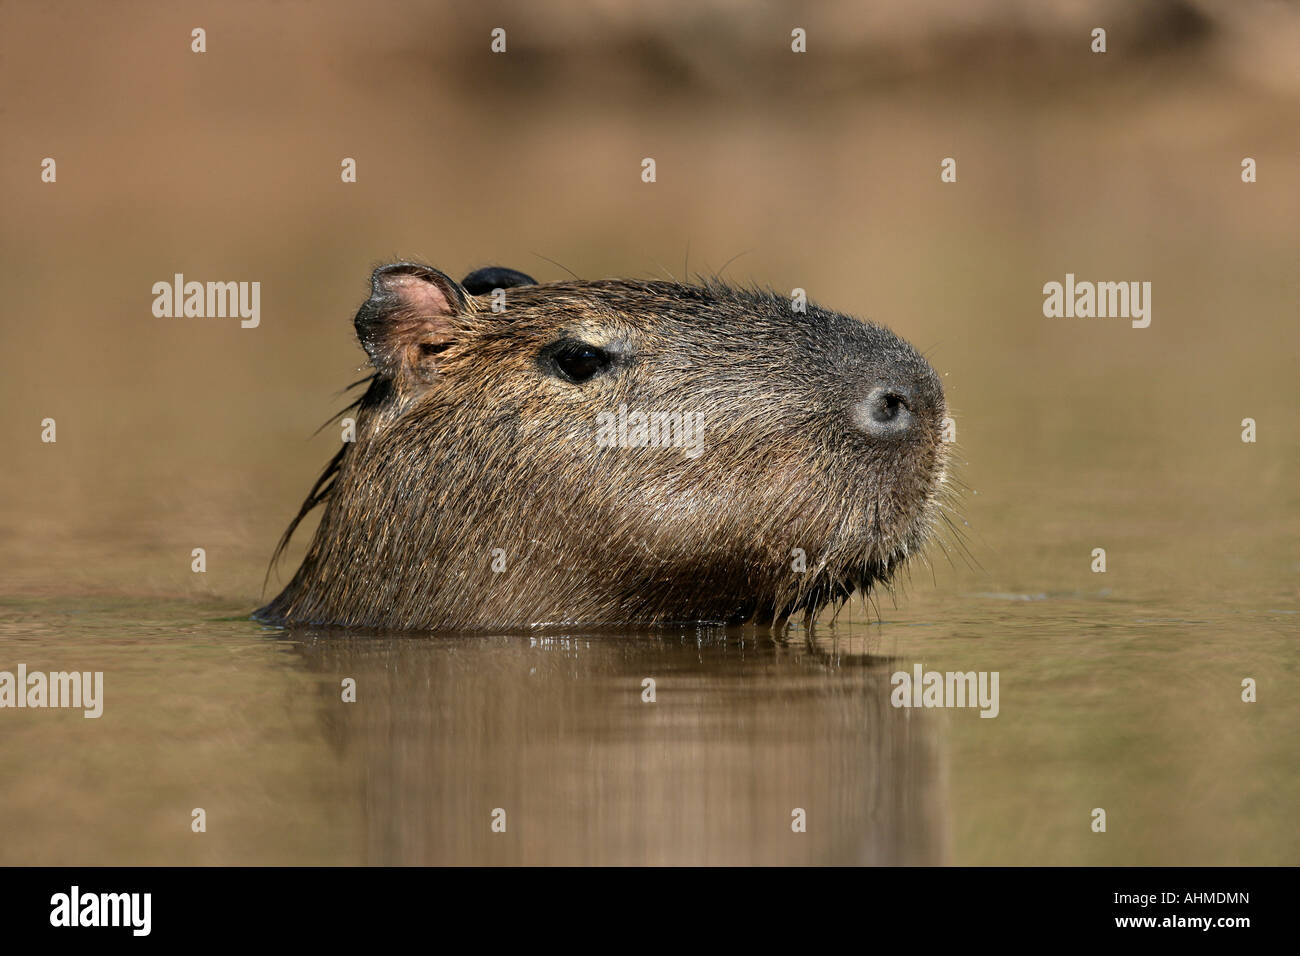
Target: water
{"points": [[1102, 704]]}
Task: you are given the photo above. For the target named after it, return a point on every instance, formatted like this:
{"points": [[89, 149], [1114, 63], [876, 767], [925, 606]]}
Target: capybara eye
{"points": [[578, 361]]}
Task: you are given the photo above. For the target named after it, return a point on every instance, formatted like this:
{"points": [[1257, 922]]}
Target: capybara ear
{"points": [[407, 321], [484, 280]]}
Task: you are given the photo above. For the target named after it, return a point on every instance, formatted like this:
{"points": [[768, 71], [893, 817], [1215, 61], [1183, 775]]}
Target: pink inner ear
{"points": [[419, 296]]}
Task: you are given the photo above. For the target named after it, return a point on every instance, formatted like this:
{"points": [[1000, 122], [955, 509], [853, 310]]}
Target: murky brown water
{"points": [[1119, 690], [1119, 701]]}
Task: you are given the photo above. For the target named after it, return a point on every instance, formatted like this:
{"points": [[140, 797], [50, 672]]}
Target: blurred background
{"points": [[817, 170]]}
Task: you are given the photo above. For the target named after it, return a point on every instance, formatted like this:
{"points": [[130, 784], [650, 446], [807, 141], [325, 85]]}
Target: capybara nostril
{"points": [[887, 411]]}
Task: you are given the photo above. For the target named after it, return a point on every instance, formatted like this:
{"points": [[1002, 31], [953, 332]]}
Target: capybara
{"points": [[613, 452]]}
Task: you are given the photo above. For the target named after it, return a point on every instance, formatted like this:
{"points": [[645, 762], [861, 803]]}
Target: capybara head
{"points": [[610, 452]]}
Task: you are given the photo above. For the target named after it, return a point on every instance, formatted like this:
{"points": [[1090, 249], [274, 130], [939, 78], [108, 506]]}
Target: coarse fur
{"points": [[476, 495]]}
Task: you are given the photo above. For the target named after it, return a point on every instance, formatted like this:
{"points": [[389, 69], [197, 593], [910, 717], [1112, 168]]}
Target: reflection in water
{"points": [[554, 731]]}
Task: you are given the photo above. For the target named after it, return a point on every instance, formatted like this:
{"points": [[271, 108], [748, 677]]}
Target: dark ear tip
{"points": [[484, 280]]}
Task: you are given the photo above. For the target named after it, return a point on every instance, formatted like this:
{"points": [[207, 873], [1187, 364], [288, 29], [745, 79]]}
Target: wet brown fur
{"points": [[465, 443]]}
